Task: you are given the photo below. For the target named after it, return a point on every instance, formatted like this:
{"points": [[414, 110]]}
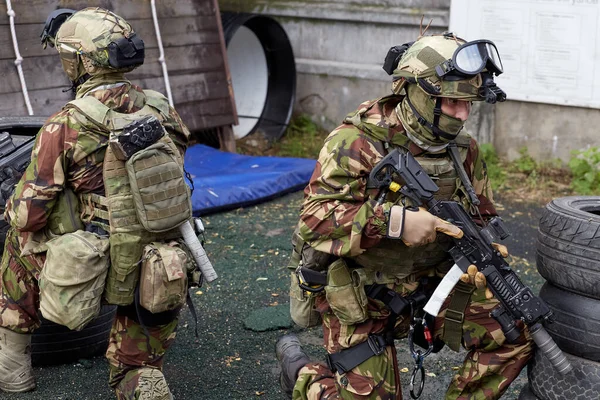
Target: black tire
{"points": [[21, 129], [56, 344], [568, 245], [583, 383], [576, 329], [527, 394]]}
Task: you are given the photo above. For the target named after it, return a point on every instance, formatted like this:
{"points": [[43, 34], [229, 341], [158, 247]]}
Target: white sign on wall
{"points": [[550, 48]]}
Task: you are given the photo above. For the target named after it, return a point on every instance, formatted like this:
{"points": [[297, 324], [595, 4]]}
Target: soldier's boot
{"points": [[16, 374], [143, 384], [291, 359]]}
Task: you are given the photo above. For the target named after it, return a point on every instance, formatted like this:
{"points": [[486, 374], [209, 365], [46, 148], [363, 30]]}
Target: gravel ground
{"points": [[249, 249]]}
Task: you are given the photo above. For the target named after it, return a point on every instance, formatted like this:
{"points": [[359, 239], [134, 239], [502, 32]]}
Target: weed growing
{"points": [[585, 167]]}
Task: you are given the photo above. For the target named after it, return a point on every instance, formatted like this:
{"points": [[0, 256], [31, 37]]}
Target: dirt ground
{"points": [[249, 249]]}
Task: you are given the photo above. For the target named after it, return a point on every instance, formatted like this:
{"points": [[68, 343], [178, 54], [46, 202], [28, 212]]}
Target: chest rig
{"points": [[117, 211], [393, 257]]}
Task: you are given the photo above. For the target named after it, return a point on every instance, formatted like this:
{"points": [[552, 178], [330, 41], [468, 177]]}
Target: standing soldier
{"points": [[366, 246], [79, 187]]}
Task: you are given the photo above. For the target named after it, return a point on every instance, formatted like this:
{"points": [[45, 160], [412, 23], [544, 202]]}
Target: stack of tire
{"points": [[568, 257]]}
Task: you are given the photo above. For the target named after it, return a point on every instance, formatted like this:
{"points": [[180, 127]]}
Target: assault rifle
{"points": [[517, 301]]}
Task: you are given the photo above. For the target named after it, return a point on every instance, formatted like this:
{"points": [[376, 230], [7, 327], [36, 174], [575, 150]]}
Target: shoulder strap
{"points": [[91, 107], [158, 101]]}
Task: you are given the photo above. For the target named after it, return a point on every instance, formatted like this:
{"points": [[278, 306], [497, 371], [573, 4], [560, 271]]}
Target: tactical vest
{"points": [[116, 211], [393, 257]]}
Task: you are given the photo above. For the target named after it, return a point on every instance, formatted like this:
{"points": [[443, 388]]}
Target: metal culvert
{"points": [[263, 73]]}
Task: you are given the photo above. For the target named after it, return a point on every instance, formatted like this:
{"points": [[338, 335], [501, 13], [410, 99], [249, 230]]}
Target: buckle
{"points": [[376, 344], [455, 316], [397, 303]]}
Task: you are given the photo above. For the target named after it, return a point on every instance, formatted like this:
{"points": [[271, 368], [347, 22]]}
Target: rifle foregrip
{"points": [[549, 348]]}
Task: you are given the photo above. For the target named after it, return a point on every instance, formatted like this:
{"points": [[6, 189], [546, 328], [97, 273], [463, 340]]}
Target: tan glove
{"points": [[476, 278], [420, 227], [501, 249]]}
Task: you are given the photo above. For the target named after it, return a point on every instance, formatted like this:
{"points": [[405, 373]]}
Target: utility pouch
{"points": [[163, 279], [345, 292], [161, 196], [64, 217], [73, 278], [302, 305]]}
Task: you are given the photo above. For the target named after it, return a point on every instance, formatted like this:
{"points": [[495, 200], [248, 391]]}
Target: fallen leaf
{"points": [[199, 292], [274, 232], [261, 278], [259, 393], [404, 369], [275, 294], [430, 374]]}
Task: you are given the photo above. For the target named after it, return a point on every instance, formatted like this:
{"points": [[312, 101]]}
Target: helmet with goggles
{"points": [[93, 41], [436, 67]]}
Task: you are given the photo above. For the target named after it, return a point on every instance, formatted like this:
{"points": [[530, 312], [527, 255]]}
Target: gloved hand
{"points": [[420, 227], [476, 278], [501, 249]]}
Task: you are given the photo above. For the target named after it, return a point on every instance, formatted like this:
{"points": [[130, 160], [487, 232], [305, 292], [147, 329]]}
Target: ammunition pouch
{"points": [[302, 305], [64, 217], [345, 293], [163, 279]]}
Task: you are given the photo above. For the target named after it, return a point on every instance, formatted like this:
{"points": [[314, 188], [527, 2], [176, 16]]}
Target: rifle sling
{"points": [[462, 174], [347, 359], [455, 315]]}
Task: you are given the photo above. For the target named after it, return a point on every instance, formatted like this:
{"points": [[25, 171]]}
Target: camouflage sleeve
{"points": [[34, 196], [337, 216], [477, 170], [177, 130]]}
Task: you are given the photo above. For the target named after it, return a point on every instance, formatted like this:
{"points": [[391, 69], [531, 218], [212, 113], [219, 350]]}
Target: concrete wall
{"points": [[340, 45]]}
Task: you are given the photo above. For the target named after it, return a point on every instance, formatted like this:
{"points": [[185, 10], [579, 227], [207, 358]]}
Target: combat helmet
{"points": [[92, 41], [441, 66]]}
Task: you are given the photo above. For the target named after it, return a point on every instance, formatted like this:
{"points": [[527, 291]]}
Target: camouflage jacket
{"points": [[339, 215], [67, 156]]}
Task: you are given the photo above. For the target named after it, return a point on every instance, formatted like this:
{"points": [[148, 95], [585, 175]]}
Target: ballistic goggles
{"points": [[470, 59]]}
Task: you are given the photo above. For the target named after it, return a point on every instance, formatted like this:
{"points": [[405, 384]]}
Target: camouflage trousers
{"points": [[487, 371], [129, 346]]}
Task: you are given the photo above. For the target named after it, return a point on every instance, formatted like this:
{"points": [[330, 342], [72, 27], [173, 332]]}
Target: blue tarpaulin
{"points": [[225, 181]]}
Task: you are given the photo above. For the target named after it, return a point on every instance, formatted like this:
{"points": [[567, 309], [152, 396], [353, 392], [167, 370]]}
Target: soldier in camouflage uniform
{"points": [[67, 162], [343, 230]]}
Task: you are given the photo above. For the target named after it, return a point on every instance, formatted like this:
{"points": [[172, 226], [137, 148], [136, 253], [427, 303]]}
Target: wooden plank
{"points": [[181, 60], [223, 54], [197, 115], [43, 102], [190, 88], [46, 72], [36, 11], [174, 32], [206, 114], [226, 139]]}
